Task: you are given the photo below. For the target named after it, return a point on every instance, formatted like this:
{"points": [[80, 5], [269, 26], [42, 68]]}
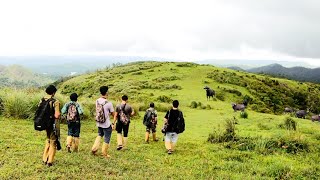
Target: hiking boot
{"points": [[69, 149], [49, 164], [169, 151], [119, 147]]}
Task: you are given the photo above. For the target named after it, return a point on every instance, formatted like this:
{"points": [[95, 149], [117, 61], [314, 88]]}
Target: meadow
{"points": [[262, 146]]}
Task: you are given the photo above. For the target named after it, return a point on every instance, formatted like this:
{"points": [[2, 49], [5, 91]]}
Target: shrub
{"points": [[208, 107], [164, 99], [243, 114], [220, 96], [289, 124], [193, 105], [228, 135]]}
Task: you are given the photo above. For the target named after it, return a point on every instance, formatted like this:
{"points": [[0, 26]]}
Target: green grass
{"points": [[21, 152]]}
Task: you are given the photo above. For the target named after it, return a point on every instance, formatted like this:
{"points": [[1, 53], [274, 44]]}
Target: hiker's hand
{"points": [[113, 126]]}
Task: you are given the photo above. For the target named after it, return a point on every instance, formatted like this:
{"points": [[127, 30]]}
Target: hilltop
{"points": [[165, 81], [21, 77]]}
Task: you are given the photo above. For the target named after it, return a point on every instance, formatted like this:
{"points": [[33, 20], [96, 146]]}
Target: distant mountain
{"points": [[236, 68], [248, 64], [295, 73], [21, 77]]}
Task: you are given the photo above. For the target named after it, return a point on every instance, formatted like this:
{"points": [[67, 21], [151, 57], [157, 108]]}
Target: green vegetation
{"points": [[215, 145]]}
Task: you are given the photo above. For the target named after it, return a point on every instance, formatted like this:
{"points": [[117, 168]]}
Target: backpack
{"points": [[44, 116], [149, 118], [100, 115], [122, 116], [180, 125], [72, 114]]}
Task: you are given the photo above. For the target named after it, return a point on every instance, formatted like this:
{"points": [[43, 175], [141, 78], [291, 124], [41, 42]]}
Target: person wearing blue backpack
{"points": [[150, 121], [173, 125], [73, 111]]}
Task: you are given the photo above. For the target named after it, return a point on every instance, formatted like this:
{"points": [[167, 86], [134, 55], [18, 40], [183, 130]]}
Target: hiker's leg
{"points": [[106, 144], [146, 139], [167, 141], [96, 144], [52, 148], [76, 135], [154, 134], [46, 151], [119, 128], [69, 137], [125, 135], [174, 140]]}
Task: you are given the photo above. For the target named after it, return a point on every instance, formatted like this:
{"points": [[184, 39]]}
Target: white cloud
{"points": [[230, 29]]}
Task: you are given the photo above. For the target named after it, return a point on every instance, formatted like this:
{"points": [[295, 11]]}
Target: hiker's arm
{"points": [[64, 109], [132, 112], [80, 110], [57, 109]]}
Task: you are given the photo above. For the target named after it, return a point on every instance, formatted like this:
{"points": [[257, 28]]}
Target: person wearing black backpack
{"points": [[73, 111], [174, 125], [150, 121], [122, 120], [53, 130]]}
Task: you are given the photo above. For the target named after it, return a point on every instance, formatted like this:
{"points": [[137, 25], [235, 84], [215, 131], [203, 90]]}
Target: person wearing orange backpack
{"points": [[104, 109], [73, 111], [122, 120]]}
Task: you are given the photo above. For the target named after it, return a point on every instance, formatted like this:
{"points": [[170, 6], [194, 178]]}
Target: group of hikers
{"points": [[107, 118]]}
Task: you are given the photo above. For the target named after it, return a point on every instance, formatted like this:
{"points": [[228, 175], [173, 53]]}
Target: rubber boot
{"points": [[52, 152], [76, 144], [125, 143], [172, 146], [105, 148], [146, 139], [45, 152], [96, 145], [154, 136], [168, 147], [69, 143], [119, 141]]}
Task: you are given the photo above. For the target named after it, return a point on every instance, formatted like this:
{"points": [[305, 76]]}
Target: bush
{"points": [[228, 135], [208, 107], [193, 105], [289, 124], [243, 114], [164, 99], [220, 96]]}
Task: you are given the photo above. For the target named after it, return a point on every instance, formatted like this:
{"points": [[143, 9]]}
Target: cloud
{"points": [[176, 29]]}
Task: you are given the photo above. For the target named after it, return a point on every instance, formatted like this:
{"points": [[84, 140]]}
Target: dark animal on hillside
{"points": [[301, 114], [210, 92], [238, 107], [288, 110], [315, 118]]}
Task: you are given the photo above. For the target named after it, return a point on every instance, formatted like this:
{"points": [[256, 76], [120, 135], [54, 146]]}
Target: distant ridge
{"points": [[294, 73]]}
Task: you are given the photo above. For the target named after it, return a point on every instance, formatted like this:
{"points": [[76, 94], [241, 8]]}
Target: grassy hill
{"points": [[21, 77], [217, 143]]}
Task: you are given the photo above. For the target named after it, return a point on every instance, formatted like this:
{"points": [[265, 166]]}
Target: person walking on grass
{"points": [[104, 109], [73, 111], [174, 123], [122, 120], [150, 121], [53, 131]]}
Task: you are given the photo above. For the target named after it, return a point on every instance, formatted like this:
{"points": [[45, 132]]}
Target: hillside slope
{"points": [[165, 81], [21, 77]]}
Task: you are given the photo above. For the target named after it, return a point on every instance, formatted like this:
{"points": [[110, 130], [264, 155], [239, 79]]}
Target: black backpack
{"points": [[44, 116], [180, 126], [149, 118]]}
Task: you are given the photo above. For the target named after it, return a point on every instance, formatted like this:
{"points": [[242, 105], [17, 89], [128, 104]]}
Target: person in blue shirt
{"points": [[73, 110]]}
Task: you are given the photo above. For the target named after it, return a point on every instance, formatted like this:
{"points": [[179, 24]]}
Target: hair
{"points": [[124, 97], [104, 90], [51, 89], [74, 97], [152, 104], [175, 103]]}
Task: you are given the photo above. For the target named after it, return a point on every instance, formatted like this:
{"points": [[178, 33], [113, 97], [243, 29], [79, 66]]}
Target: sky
{"points": [[286, 30]]}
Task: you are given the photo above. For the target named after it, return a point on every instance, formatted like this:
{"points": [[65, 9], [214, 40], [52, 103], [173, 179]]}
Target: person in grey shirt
{"points": [[104, 128], [122, 120]]}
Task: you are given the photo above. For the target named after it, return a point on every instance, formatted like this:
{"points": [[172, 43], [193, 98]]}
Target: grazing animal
{"points": [[301, 114], [288, 110], [315, 118], [238, 107], [210, 92]]}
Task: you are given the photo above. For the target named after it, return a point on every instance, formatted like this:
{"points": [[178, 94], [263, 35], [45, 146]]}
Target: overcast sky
{"points": [[187, 30]]}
